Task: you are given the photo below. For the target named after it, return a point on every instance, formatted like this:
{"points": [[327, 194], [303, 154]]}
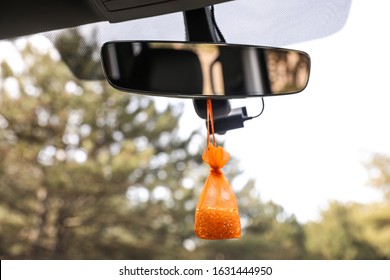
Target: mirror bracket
{"points": [[235, 119], [199, 28], [221, 108]]}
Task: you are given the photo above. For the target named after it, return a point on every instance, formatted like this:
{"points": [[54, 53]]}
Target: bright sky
{"points": [[310, 148]]}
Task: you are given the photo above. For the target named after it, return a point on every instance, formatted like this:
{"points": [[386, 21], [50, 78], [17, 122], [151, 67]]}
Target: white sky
{"points": [[310, 148]]}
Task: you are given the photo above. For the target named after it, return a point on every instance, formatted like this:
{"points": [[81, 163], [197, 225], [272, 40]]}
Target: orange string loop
{"points": [[210, 122]]}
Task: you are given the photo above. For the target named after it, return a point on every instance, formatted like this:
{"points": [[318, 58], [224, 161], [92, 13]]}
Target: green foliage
{"points": [[355, 231], [80, 53], [339, 235], [71, 153], [352, 231]]}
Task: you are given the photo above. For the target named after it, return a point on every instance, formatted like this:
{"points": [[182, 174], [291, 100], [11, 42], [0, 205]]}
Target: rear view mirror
{"points": [[189, 70]]}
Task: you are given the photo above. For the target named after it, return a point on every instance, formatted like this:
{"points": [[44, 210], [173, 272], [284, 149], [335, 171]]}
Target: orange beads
{"points": [[217, 223]]}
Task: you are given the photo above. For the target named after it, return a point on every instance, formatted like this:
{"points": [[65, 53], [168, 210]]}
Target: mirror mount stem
{"points": [[200, 28]]}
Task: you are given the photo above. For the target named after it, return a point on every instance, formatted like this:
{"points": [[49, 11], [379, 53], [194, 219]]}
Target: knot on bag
{"points": [[216, 157], [216, 171]]}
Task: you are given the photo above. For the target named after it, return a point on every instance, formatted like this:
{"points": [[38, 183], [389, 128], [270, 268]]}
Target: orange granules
{"points": [[217, 223]]}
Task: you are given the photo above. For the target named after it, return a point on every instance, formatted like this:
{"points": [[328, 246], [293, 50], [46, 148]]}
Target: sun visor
{"points": [[122, 10]]}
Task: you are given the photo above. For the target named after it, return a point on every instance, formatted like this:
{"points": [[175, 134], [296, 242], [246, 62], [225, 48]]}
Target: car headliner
{"points": [[24, 17]]}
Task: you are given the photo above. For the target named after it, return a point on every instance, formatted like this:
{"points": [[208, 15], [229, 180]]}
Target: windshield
{"points": [[88, 172]]}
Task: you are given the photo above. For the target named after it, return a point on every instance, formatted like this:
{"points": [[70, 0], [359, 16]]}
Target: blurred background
{"points": [[87, 172]]}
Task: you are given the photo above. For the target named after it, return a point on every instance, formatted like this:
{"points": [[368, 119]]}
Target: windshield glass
{"points": [[89, 172]]}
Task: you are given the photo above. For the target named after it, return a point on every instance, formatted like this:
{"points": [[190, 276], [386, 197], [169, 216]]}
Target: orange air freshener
{"points": [[217, 215]]}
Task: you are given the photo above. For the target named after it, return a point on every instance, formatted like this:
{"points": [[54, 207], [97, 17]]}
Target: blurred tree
{"points": [[379, 172], [378, 215], [339, 235], [87, 172], [80, 52], [355, 231]]}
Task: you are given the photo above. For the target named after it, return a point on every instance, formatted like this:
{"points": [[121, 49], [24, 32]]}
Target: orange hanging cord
{"points": [[210, 122]]}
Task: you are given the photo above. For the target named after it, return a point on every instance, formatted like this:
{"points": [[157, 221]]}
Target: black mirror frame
{"points": [[186, 96]]}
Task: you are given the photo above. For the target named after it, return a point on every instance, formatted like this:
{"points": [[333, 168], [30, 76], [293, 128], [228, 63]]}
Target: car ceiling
{"points": [[24, 17]]}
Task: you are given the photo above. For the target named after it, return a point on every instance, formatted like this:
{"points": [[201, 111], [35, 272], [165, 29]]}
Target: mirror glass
{"points": [[196, 70]]}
